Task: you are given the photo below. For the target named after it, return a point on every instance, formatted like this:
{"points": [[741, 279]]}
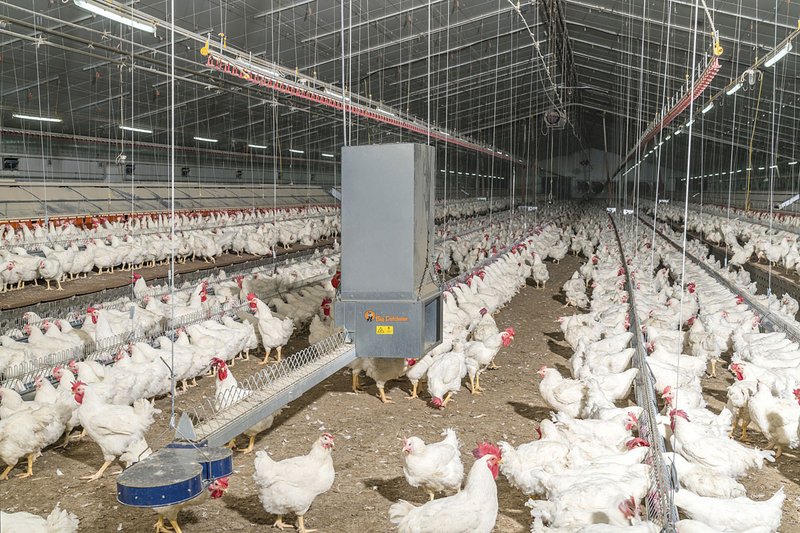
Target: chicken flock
{"points": [[589, 470]]}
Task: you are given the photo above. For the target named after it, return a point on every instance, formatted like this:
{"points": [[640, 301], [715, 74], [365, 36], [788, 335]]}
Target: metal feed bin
{"points": [[389, 300]]}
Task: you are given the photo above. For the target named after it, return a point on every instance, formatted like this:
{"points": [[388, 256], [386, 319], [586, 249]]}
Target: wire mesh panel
{"points": [[236, 409], [658, 501]]}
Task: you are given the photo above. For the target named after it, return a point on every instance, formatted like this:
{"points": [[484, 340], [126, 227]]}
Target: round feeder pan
{"points": [[160, 480], [216, 462]]}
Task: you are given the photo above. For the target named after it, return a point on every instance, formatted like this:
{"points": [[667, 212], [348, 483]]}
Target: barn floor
{"points": [[367, 457]]}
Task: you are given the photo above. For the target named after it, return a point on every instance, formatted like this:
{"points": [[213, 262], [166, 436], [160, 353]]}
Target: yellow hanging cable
{"points": [[750, 148]]}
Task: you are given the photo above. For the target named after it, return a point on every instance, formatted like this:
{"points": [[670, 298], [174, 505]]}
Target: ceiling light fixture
{"points": [[332, 156], [205, 139], [32, 117], [283, 8], [296, 151], [777, 56], [734, 89], [708, 108], [137, 130], [115, 15], [259, 146], [792, 162]]}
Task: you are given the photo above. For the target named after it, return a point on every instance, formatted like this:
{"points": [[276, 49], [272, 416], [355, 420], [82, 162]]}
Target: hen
{"points": [[434, 467], [58, 521], [291, 485], [777, 419], [473, 510], [227, 393], [118, 429], [480, 354], [445, 375], [722, 455], [274, 332], [566, 395], [736, 514]]}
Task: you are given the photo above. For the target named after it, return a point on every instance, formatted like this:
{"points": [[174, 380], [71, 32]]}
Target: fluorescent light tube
{"points": [[204, 139], [777, 56], [760, 168], [115, 16], [138, 130], [678, 132], [32, 117], [773, 166], [690, 122], [708, 108], [296, 151], [332, 156], [734, 89], [259, 146], [668, 137], [792, 162]]}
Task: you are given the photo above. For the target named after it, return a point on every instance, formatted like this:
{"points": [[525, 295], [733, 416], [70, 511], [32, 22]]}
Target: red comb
{"points": [[76, 385], [222, 482], [486, 448]]}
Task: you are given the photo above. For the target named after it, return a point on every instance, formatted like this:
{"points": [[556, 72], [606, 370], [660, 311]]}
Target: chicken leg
{"points": [[473, 388], [266, 357], [356, 383], [4, 475], [279, 349], [432, 495], [97, 475], [280, 524], [413, 392], [29, 472], [447, 399], [301, 526], [778, 451], [383, 397], [250, 446], [161, 528]]}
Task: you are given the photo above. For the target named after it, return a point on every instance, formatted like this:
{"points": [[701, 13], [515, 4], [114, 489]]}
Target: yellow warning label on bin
{"points": [[384, 330]]}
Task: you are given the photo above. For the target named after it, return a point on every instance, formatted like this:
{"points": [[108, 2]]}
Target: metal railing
{"points": [[658, 501], [222, 418]]}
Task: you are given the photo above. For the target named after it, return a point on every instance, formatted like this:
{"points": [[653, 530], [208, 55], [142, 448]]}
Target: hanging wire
{"points": [[661, 132]]}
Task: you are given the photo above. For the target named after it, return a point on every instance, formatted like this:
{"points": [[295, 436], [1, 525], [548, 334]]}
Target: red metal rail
{"points": [[223, 64]]}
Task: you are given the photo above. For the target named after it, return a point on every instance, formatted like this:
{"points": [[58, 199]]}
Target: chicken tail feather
{"points": [[399, 511]]}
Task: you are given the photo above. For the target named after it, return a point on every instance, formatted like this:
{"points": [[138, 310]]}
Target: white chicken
{"points": [[118, 429], [776, 418], [291, 485], [732, 515], [227, 393], [58, 521], [720, 454], [434, 467], [275, 333], [565, 395], [473, 510], [445, 375]]}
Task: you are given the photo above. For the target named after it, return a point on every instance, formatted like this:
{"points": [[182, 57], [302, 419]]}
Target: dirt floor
{"points": [[367, 458]]}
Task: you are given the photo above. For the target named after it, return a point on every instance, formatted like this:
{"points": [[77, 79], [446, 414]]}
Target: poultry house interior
{"points": [[446, 266]]}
